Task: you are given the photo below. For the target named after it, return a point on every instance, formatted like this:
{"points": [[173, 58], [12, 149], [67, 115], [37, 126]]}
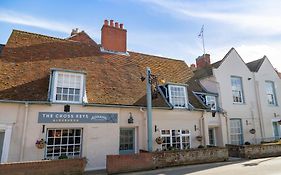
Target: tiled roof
{"points": [[1, 47], [27, 59], [255, 65]]}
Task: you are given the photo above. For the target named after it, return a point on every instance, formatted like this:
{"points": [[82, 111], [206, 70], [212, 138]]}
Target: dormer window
{"points": [[211, 102], [68, 87], [178, 96]]}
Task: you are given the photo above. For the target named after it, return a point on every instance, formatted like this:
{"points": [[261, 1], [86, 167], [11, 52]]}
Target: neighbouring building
{"points": [[76, 98], [248, 96]]}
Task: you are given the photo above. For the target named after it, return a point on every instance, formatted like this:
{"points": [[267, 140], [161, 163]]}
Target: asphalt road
{"points": [[265, 166]]}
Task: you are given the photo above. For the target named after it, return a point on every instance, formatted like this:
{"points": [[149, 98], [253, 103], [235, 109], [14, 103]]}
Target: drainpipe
{"points": [[226, 123], [149, 109], [24, 132], [258, 106]]}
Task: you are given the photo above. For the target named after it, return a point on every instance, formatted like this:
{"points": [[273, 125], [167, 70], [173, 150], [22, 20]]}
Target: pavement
{"points": [[264, 166]]}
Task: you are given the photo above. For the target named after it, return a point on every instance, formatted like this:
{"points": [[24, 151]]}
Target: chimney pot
{"points": [[74, 31], [121, 26], [106, 22], [203, 61], [111, 23], [116, 25]]}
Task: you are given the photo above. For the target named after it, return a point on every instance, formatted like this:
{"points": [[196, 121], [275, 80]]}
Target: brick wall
{"points": [[147, 161], [254, 151], [44, 167]]}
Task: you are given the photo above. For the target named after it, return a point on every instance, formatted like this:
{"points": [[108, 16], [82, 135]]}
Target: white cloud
{"points": [[250, 16], [23, 19]]}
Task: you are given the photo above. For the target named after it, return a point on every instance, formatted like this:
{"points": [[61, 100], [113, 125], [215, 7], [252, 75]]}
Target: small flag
{"points": [[200, 35]]}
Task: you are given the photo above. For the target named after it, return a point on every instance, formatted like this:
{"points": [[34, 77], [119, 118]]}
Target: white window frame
{"points": [[209, 100], [185, 95], [65, 145], [238, 89], [273, 93], [56, 73], [181, 135]]}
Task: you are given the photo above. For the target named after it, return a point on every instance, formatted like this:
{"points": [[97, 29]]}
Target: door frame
{"points": [[7, 140]]}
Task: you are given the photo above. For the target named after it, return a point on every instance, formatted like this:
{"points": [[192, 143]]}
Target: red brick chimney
{"points": [[203, 61], [113, 37]]}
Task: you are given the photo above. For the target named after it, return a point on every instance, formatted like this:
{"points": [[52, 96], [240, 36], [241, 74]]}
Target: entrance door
{"points": [[2, 134], [276, 130], [127, 141], [212, 137]]}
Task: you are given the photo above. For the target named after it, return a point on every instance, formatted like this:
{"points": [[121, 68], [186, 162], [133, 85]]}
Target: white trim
{"points": [[7, 141], [81, 93]]}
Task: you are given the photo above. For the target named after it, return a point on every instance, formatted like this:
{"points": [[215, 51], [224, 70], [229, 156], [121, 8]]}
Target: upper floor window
{"points": [[211, 102], [270, 93], [237, 89], [178, 96], [68, 87]]}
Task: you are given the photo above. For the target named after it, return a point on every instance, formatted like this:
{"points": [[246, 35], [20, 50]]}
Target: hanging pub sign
{"points": [[73, 117]]}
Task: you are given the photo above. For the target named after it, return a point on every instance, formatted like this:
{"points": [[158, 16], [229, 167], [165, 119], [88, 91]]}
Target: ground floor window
{"points": [[175, 139], [236, 134], [63, 142]]}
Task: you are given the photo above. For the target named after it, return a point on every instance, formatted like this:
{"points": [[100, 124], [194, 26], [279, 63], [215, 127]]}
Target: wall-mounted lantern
{"points": [[66, 108], [130, 119]]}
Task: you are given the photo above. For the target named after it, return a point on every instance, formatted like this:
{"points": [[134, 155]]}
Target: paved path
{"points": [[265, 166]]}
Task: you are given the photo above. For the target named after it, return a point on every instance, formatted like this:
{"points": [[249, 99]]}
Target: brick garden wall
{"points": [[254, 151], [148, 161], [44, 167]]}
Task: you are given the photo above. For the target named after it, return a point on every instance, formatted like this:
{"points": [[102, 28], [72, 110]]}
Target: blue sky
{"points": [[162, 27]]}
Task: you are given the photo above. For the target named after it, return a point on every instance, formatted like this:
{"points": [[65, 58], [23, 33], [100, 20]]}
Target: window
{"points": [[178, 97], [270, 93], [211, 102], [63, 142], [237, 90], [236, 135], [175, 139], [68, 87]]}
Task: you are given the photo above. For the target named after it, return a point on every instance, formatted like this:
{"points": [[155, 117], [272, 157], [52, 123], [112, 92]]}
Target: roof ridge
{"points": [[161, 57], [41, 35]]}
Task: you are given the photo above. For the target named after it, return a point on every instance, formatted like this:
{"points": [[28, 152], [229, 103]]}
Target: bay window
{"points": [[63, 142], [175, 139]]}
